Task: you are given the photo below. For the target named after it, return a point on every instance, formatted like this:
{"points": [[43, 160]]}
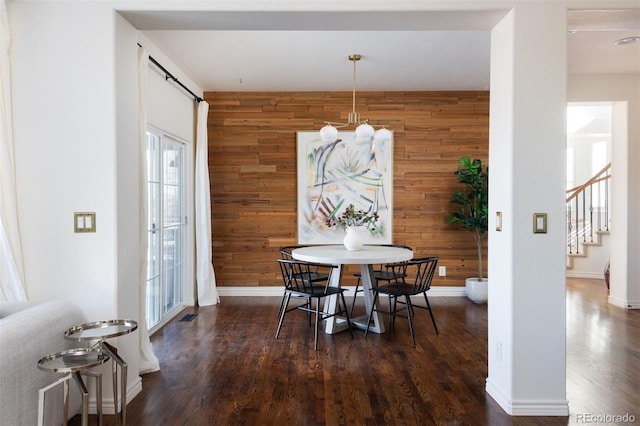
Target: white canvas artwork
{"points": [[331, 176]]}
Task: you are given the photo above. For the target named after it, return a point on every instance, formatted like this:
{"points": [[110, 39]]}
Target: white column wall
{"points": [[527, 158]]}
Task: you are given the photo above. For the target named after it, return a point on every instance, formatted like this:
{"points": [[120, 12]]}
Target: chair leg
{"points": [[409, 316], [346, 314], [433, 320], [355, 293], [285, 303], [317, 323], [281, 304], [394, 312]]}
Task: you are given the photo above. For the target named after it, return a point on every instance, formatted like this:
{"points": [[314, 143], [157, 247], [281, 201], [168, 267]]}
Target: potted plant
{"points": [[473, 215]]}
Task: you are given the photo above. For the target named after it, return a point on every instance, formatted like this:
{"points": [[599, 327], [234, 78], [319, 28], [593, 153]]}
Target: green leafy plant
{"points": [[353, 217], [473, 202]]}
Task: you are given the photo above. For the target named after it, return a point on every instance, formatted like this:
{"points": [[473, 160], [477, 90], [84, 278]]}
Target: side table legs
{"points": [[98, 377], [85, 399], [115, 361], [77, 376], [41, 392]]}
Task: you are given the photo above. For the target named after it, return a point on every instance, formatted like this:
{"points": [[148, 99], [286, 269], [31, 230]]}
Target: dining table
{"points": [[339, 256]]}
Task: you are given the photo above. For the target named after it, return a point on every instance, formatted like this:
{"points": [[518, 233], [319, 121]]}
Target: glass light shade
{"points": [[382, 135], [364, 131], [328, 134]]}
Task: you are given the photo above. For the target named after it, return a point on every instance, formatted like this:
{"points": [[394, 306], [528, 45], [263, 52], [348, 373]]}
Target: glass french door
{"points": [[166, 227]]}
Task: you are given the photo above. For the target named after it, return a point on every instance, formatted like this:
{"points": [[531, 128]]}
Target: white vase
{"points": [[353, 241], [477, 291]]}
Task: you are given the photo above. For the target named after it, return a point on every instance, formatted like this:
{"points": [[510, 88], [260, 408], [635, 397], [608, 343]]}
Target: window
{"points": [[167, 227], [589, 135]]}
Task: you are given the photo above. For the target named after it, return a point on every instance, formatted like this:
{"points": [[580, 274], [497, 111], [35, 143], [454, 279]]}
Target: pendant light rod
{"points": [[329, 133], [353, 117]]}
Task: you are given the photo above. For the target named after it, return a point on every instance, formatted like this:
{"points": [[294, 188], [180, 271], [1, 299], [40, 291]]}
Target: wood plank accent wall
{"points": [[252, 166]]}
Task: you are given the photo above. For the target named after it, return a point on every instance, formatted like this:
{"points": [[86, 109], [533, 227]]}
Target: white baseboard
{"points": [[626, 304], [588, 275], [436, 291], [527, 408]]}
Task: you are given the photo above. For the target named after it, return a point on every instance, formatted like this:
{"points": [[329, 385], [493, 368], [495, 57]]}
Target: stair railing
{"points": [[588, 209]]}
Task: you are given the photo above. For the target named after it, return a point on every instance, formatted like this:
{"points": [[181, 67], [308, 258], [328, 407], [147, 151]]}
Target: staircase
{"points": [[588, 221]]}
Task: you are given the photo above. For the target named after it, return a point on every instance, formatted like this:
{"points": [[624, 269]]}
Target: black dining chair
{"points": [[318, 273], [298, 282], [381, 272], [417, 280]]}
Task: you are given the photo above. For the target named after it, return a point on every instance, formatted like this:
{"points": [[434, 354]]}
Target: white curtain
{"points": [[205, 275], [148, 360], [11, 264]]}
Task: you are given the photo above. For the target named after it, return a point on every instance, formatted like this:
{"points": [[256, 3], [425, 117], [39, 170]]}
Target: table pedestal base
{"points": [[338, 324]]}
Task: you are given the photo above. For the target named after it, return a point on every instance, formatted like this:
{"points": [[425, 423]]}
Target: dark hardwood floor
{"points": [[225, 368]]}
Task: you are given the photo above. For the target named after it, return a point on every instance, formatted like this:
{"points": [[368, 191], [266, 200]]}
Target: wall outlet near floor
{"points": [[442, 271]]}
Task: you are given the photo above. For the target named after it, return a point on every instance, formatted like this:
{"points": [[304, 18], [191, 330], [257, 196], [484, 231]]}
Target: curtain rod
{"points": [[168, 75]]}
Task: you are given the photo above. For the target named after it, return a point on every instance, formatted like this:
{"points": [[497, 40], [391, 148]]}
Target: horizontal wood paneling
{"points": [[252, 166]]}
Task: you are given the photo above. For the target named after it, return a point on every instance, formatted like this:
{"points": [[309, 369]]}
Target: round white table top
{"points": [[339, 255]]}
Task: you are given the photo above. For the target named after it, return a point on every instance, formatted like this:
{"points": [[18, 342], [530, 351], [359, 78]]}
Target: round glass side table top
{"points": [[73, 360], [101, 330]]}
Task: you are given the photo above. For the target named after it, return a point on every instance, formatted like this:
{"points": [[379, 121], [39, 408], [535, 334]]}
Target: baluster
{"points": [[599, 206], [591, 212], [584, 216], [569, 228], [606, 201], [577, 225]]}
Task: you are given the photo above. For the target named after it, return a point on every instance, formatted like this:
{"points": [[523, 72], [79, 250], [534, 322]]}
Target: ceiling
{"points": [[308, 51]]}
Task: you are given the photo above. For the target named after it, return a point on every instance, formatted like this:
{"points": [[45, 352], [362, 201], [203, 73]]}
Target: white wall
{"points": [[75, 133], [64, 115], [526, 306], [624, 91]]}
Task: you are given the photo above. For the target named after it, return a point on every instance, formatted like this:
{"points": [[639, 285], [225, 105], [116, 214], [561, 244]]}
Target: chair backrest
{"points": [[421, 270], [400, 268], [301, 276]]}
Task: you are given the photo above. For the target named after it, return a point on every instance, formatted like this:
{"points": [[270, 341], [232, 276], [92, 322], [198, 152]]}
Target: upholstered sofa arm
{"points": [[27, 333]]}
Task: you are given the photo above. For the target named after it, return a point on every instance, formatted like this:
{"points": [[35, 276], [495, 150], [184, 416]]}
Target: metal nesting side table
{"points": [[99, 332], [73, 362]]}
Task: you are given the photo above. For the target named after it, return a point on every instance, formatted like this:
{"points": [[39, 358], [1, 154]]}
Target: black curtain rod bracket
{"points": [[168, 75]]}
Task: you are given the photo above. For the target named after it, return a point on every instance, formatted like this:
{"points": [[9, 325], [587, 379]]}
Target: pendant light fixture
{"points": [[329, 133]]}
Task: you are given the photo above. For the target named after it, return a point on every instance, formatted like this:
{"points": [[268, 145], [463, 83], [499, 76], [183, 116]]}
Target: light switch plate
{"points": [[539, 223], [84, 222]]}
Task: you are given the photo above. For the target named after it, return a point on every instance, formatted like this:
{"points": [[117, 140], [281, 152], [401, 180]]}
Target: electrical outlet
{"points": [[442, 271]]}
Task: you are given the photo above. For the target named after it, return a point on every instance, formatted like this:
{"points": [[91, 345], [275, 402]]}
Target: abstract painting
{"points": [[333, 175]]}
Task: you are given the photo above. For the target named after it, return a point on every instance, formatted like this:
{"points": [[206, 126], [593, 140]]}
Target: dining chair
{"points": [[318, 273], [417, 280], [381, 272], [298, 282]]}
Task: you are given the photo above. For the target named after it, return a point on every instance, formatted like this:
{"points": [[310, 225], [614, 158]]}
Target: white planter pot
{"points": [[477, 291]]}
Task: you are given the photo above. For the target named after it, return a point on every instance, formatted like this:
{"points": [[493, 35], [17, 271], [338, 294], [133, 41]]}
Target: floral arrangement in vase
{"points": [[353, 218]]}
